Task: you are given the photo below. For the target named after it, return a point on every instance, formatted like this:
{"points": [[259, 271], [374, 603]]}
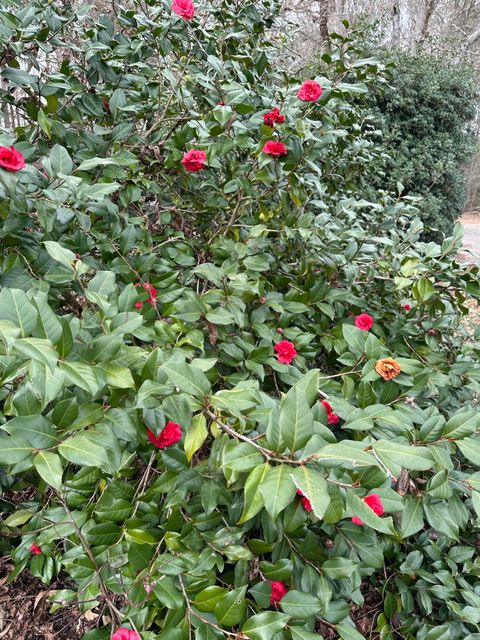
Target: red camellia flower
{"points": [[168, 436], [194, 160], [35, 549], [285, 351], [310, 91], [125, 634], [150, 289], [364, 321], [274, 148], [183, 8], [375, 503], [332, 418], [407, 307], [278, 591], [11, 159], [305, 502], [273, 116]]}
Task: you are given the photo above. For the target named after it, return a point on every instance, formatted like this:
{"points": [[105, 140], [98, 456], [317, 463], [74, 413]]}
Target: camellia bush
{"points": [[237, 400]]}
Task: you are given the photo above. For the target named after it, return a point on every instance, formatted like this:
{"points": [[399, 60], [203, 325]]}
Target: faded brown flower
{"points": [[388, 368]]}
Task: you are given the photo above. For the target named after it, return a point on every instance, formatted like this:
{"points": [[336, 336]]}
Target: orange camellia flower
{"points": [[388, 368]]}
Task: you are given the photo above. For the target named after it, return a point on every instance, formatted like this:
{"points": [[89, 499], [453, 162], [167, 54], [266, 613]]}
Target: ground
{"points": [[24, 610], [471, 255], [471, 240]]}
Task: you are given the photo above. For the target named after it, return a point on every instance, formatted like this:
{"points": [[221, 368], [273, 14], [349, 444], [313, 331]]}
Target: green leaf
{"points": [[264, 626], [37, 430], [242, 456], [280, 570], [358, 508], [277, 489], [60, 160], [167, 592], [348, 632], [396, 455], [17, 308], [116, 376], [462, 423], [61, 254], [423, 290], [48, 325], [296, 420], [412, 518], [300, 605], [231, 608], [37, 349], [338, 568], [470, 447], [102, 284], [274, 436], [355, 339], [187, 378], [107, 533], [44, 123], [308, 384], [252, 497], [49, 467], [13, 449], [299, 633], [18, 518], [195, 436], [314, 487], [344, 453], [93, 163], [82, 375], [82, 450], [207, 599]]}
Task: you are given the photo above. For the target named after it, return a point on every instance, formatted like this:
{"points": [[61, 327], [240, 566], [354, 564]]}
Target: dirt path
{"points": [[471, 239]]}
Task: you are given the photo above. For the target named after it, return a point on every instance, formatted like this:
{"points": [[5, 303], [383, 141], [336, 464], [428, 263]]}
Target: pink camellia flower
{"points": [[407, 307], [278, 591], [310, 91], [183, 8], [35, 549], [275, 148], [305, 502], [364, 321], [285, 351], [168, 436], [375, 503], [332, 418], [138, 305], [194, 160], [125, 634], [11, 159], [273, 116]]}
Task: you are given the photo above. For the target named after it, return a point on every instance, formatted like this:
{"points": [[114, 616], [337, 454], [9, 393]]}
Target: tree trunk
{"points": [[429, 10], [326, 10]]}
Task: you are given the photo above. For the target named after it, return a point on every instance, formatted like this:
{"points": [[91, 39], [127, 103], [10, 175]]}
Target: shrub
{"points": [[425, 112], [196, 412]]}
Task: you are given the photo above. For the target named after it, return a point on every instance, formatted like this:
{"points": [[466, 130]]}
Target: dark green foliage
{"points": [[425, 113]]}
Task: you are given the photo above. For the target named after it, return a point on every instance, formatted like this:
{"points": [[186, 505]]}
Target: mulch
{"points": [[24, 610]]}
